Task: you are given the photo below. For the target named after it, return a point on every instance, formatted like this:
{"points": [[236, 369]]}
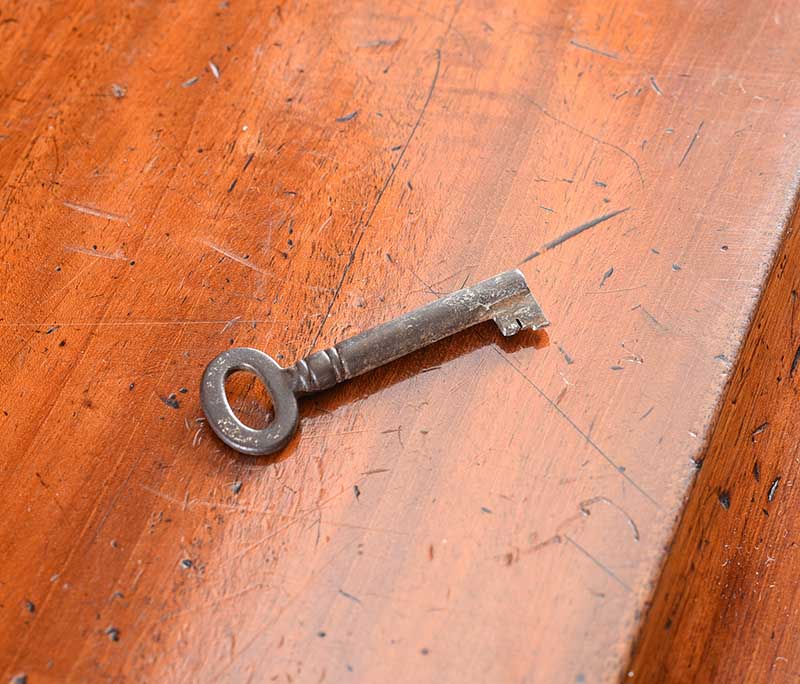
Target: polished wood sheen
{"points": [[179, 178]]}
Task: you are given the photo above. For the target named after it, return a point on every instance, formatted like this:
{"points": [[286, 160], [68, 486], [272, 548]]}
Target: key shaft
{"points": [[504, 298]]}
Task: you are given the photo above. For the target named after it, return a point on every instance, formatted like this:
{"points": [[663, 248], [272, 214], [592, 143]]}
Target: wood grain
{"points": [[727, 603], [179, 178]]}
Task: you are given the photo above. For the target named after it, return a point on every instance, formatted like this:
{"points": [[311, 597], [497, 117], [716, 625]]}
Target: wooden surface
{"points": [[177, 178], [727, 606]]}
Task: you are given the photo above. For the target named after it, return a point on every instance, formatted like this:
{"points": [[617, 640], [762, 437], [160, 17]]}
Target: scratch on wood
{"points": [[148, 323], [795, 362], [573, 233], [566, 356], [95, 253], [91, 211], [594, 138], [380, 42], [555, 539], [583, 46], [428, 288], [349, 596], [599, 564], [773, 488], [761, 428], [379, 197], [586, 506], [691, 143], [235, 257], [244, 262], [650, 317], [375, 471], [215, 603], [301, 592], [347, 117], [587, 438], [229, 323], [654, 85], [618, 290]]}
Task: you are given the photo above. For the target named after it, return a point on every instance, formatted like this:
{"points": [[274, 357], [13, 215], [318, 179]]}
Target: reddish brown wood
{"points": [[513, 503], [727, 605]]}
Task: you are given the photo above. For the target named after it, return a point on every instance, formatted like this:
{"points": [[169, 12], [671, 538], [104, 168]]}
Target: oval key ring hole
{"points": [[221, 417], [249, 399]]}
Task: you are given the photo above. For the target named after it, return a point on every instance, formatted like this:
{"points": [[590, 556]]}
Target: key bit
{"points": [[505, 299]]}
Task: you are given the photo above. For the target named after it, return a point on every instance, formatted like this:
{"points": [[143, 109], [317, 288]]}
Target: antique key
{"points": [[505, 298]]}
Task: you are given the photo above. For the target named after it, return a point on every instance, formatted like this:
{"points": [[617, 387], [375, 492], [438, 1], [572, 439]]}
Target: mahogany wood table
{"points": [[179, 178]]}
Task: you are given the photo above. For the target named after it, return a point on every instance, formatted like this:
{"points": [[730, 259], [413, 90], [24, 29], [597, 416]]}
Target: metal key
{"points": [[505, 298]]}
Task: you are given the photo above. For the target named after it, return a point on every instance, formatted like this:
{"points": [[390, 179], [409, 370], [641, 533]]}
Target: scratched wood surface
{"points": [[179, 178], [726, 608]]}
